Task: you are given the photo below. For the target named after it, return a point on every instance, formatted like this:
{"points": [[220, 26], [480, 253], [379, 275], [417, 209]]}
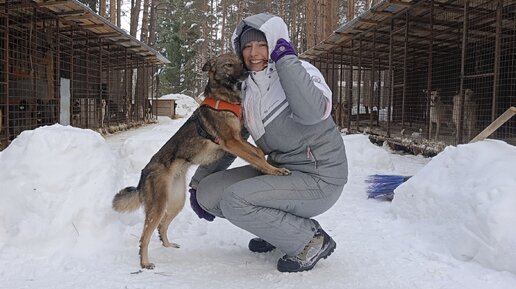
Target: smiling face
{"points": [[256, 55]]}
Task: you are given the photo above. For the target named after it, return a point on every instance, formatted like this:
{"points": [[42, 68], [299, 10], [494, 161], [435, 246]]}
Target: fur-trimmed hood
{"points": [[272, 26]]}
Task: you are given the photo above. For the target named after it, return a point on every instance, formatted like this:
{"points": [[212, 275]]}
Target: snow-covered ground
{"points": [[450, 226]]}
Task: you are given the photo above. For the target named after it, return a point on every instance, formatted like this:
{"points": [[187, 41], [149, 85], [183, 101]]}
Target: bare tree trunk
{"points": [[240, 11], [119, 13], [144, 33], [293, 25], [112, 11], [322, 20], [223, 26], [153, 20], [333, 16], [310, 24], [213, 28], [135, 16], [281, 8], [102, 8], [205, 32], [351, 10]]}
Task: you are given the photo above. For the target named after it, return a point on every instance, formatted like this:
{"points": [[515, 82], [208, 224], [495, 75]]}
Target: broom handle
{"points": [[495, 124]]}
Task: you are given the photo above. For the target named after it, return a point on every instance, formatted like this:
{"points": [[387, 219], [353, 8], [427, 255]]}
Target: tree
{"points": [[135, 16], [144, 32], [92, 4], [102, 8]]}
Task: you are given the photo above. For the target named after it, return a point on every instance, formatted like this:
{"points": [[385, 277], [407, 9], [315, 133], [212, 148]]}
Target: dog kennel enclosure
{"points": [[62, 63], [405, 67]]}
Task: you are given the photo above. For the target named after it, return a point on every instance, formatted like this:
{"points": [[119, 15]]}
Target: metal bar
{"points": [[405, 54], [359, 81], [488, 74], [333, 78], [391, 80], [350, 88], [341, 88], [72, 80], [372, 73], [7, 69], [462, 71], [57, 71], [379, 93], [430, 69], [497, 56]]}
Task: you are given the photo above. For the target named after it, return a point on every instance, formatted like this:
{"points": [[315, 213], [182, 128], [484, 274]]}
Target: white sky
{"points": [[450, 226]]}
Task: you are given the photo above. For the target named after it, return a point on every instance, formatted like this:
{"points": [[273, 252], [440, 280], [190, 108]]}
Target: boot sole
{"points": [[329, 250]]}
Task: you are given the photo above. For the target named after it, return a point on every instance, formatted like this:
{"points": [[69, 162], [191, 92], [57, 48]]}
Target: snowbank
{"points": [[469, 194], [57, 187], [185, 103]]}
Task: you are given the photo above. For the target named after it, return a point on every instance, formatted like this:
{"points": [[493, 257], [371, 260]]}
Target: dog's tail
{"points": [[127, 200]]}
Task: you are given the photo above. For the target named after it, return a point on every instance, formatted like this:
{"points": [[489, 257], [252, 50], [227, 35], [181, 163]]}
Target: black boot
{"points": [[320, 247], [259, 245]]}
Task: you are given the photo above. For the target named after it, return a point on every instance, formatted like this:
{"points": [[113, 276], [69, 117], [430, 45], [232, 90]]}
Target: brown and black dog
{"points": [[212, 129]]}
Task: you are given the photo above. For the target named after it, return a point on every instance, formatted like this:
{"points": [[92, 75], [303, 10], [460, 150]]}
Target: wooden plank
{"points": [[497, 123]]}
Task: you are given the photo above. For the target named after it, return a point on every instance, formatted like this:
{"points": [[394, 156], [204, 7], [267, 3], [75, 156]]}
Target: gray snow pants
{"points": [[275, 208]]}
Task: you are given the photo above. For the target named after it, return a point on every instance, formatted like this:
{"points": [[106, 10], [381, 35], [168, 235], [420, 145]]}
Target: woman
{"points": [[286, 110]]}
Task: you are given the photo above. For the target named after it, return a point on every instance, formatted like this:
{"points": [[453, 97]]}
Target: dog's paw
{"points": [[282, 172], [171, 245], [148, 266]]}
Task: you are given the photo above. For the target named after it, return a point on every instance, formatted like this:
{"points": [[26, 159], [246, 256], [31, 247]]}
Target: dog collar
{"points": [[223, 105]]}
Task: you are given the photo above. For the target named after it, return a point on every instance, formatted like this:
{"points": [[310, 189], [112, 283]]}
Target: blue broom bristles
{"points": [[383, 186]]}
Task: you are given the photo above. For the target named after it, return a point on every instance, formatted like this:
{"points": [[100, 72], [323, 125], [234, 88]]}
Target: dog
{"points": [[470, 113], [76, 112], [213, 129], [439, 113]]}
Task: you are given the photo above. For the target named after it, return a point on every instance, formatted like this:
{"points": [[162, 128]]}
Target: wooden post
{"points": [[495, 124]]}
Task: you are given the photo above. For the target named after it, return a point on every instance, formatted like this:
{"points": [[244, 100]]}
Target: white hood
{"points": [[272, 26]]}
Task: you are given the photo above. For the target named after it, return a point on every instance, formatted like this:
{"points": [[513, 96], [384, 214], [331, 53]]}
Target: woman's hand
{"points": [[283, 47]]}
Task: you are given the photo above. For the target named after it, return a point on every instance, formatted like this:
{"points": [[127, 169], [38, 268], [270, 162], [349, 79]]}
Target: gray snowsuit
{"points": [[286, 111]]}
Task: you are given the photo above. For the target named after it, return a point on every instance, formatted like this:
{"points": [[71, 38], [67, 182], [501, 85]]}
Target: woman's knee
{"points": [[233, 205], [209, 195]]}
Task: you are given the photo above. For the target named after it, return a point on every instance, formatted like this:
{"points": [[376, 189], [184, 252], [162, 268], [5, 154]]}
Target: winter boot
{"points": [[320, 246], [259, 245]]}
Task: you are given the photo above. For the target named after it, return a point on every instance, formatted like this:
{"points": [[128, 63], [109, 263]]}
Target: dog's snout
{"points": [[244, 74]]}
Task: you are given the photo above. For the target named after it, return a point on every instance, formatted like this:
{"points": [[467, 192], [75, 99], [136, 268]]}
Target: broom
{"points": [[383, 186]]}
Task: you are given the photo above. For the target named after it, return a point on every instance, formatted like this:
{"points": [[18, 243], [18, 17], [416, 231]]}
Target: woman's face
{"points": [[256, 55]]}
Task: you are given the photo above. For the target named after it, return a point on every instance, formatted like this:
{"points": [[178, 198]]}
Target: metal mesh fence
{"points": [[433, 73], [54, 71]]}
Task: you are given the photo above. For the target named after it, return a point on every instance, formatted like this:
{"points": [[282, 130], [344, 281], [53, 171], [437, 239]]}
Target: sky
{"points": [[450, 226]]}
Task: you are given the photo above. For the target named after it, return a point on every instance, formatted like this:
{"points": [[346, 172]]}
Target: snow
{"points": [[450, 226]]}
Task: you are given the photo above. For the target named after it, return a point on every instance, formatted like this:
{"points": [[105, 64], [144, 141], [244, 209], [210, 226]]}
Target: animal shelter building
{"points": [[62, 63], [424, 74]]}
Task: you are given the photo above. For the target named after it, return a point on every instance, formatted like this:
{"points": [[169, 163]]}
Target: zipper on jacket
{"points": [[309, 155]]}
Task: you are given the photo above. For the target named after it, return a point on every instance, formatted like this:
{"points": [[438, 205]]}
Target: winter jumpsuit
{"points": [[286, 111]]}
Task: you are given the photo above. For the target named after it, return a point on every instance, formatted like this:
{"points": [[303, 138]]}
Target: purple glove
{"points": [[283, 47], [201, 213]]}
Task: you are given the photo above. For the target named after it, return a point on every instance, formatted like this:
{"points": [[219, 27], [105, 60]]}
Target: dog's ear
{"points": [[207, 65]]}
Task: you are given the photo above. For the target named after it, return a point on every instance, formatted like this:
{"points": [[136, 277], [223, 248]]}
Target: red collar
{"points": [[223, 105]]}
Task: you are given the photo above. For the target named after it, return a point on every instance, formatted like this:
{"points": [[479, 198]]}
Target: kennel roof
{"points": [[75, 15], [369, 34]]}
